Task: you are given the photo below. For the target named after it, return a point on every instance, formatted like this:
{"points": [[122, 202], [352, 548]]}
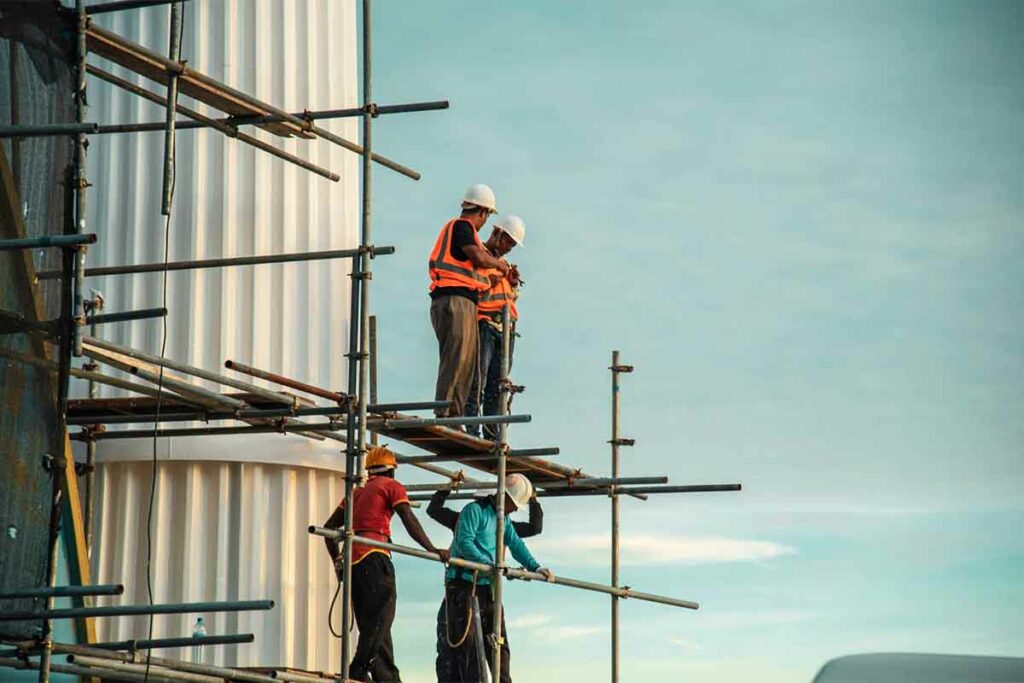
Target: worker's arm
{"points": [[412, 525], [519, 550], [480, 258], [335, 521], [465, 544], [535, 524], [439, 513]]}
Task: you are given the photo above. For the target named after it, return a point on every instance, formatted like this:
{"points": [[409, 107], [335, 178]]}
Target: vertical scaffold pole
{"points": [[497, 637], [373, 371], [615, 516], [95, 304], [358, 374], [616, 441], [81, 183], [71, 315], [174, 56]]}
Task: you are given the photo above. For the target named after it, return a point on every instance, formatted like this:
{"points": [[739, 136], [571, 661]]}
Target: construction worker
{"points": [[373, 576], [444, 665], [475, 540], [509, 232], [456, 267]]}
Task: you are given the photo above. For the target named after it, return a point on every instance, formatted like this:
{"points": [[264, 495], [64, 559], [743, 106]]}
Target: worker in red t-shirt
{"points": [[373, 575]]}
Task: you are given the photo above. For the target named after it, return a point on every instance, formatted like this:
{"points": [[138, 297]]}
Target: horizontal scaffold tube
{"points": [[582, 482], [64, 591], [125, 316], [274, 396], [204, 416], [510, 573], [137, 610], [161, 643], [217, 263], [141, 669], [47, 241], [82, 671], [470, 457], [332, 426], [565, 492], [77, 652], [377, 423]]}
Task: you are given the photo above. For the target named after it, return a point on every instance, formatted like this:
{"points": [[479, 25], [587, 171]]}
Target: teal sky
{"points": [[803, 223]]}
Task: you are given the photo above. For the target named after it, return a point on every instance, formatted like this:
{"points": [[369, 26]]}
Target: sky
{"points": [[802, 222]]}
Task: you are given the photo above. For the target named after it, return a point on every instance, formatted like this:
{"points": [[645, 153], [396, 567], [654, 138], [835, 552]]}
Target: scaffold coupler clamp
{"points": [[511, 388], [372, 109], [622, 442], [621, 368]]}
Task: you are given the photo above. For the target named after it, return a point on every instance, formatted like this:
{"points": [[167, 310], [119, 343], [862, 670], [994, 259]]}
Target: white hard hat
{"points": [[480, 195], [513, 226], [519, 489]]}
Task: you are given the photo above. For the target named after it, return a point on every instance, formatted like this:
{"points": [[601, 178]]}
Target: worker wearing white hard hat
{"points": [[457, 266], [444, 663], [509, 232], [474, 540]]}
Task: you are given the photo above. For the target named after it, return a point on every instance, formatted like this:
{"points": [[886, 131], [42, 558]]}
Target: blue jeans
{"points": [[490, 371]]}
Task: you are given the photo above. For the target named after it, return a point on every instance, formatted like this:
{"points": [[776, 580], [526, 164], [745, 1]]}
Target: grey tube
{"points": [[64, 591], [47, 241], [511, 573], [217, 263], [136, 610]]}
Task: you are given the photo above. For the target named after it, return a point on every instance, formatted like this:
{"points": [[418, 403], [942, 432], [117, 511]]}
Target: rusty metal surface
{"points": [[452, 442], [35, 87]]}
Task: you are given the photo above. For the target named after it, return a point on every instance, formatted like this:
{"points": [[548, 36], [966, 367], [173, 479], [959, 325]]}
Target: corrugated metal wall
{"points": [[225, 530], [231, 199]]}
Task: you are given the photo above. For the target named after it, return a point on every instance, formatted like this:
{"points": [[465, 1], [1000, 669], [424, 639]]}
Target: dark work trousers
{"points": [[454, 321], [490, 372], [373, 601], [459, 665]]}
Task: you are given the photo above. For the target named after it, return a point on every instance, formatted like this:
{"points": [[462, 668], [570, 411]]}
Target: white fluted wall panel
{"points": [[223, 531], [235, 529], [231, 199]]}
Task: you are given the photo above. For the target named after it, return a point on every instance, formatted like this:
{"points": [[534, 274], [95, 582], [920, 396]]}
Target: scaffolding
{"points": [[353, 417]]}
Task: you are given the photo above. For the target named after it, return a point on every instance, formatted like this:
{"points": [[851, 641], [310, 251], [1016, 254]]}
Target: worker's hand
{"points": [[513, 276], [339, 567], [444, 554], [548, 575], [503, 267]]}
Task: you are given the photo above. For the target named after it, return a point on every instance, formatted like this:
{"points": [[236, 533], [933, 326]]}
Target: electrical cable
{"points": [[159, 394]]}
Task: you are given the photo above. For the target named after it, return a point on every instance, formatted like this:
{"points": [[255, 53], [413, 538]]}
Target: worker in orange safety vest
{"points": [[457, 268], [509, 232]]}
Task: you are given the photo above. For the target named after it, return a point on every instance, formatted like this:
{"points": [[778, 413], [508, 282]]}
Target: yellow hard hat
{"points": [[380, 458]]}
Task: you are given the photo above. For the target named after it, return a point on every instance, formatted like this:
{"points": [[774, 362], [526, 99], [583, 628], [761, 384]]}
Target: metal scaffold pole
{"points": [[497, 637], [616, 441], [81, 183], [615, 518], [359, 371]]}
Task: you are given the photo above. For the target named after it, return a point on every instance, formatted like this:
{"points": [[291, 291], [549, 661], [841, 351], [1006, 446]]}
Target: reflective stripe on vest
{"points": [[494, 299], [446, 271]]}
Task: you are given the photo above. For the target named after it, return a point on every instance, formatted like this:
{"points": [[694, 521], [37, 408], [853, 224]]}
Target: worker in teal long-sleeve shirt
{"points": [[475, 540]]}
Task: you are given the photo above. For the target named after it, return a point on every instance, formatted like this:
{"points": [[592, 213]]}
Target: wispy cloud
{"points": [[649, 550], [530, 620], [571, 632]]}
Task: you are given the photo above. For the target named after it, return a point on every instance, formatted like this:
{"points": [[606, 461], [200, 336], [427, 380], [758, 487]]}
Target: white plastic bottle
{"points": [[198, 631]]}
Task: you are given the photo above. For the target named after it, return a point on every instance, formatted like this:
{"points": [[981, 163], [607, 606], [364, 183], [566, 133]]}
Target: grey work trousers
{"points": [[454, 321]]}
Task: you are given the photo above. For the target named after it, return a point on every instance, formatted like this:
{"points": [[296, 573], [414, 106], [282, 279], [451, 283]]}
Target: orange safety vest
{"points": [[494, 299], [446, 271]]}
